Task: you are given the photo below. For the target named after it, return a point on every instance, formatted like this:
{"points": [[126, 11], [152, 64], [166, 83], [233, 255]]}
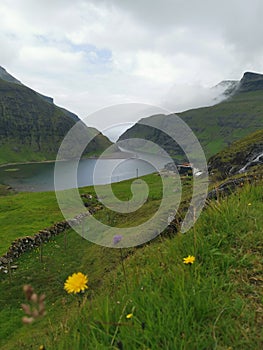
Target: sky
{"points": [[90, 54]]}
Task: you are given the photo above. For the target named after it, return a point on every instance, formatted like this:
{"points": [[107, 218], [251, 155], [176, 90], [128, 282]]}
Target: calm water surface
{"points": [[38, 177]]}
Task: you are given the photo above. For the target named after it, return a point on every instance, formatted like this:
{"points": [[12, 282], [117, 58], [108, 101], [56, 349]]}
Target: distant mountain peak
{"points": [[252, 76], [4, 75], [251, 82], [228, 86]]}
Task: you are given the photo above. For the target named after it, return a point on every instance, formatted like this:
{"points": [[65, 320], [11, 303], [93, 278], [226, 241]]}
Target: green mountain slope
{"points": [[32, 127], [241, 156], [217, 126]]}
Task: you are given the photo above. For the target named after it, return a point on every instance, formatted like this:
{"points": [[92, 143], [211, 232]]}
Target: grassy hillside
{"points": [[217, 126], [213, 304], [32, 129], [24, 214], [237, 155]]}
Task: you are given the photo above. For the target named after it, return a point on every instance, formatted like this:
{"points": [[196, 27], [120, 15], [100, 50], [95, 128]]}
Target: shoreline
{"points": [[115, 155]]}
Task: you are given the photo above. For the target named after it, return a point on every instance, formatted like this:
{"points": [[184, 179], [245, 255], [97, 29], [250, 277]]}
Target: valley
{"points": [[196, 290]]}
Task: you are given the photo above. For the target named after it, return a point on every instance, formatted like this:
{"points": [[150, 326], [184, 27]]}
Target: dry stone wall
{"points": [[25, 244]]}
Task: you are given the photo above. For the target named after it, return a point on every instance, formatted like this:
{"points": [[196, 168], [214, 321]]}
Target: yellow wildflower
{"points": [[249, 204], [189, 260], [129, 316], [76, 283]]}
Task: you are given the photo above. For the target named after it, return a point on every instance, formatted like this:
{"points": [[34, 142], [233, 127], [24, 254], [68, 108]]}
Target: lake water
{"points": [[39, 177]]}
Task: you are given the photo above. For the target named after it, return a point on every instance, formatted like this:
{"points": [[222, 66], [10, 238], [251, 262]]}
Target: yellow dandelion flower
{"points": [[76, 283], [189, 260], [249, 204], [129, 316]]}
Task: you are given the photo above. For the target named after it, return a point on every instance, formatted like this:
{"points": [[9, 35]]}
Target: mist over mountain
{"points": [[182, 97], [239, 114]]}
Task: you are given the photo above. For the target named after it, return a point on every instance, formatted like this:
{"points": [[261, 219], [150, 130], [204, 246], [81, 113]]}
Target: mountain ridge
{"points": [[32, 127], [4, 75], [216, 126], [251, 82]]}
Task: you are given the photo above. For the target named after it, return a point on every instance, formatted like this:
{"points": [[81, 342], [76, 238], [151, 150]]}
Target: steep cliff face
{"points": [[32, 127], [251, 82]]}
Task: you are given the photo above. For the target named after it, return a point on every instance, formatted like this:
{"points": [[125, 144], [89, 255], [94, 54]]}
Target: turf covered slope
{"points": [[32, 127], [217, 126], [241, 156], [215, 303]]}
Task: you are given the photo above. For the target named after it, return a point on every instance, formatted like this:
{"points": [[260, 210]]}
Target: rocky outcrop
{"points": [[251, 82], [239, 157], [230, 186], [256, 159], [240, 163]]}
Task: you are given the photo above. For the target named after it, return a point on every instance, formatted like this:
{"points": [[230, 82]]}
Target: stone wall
{"points": [[24, 244], [229, 186]]}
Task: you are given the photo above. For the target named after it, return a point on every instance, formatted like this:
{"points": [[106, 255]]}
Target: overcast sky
{"points": [[91, 54]]}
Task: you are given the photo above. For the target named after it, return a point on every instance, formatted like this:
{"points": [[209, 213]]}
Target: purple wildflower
{"points": [[117, 239]]}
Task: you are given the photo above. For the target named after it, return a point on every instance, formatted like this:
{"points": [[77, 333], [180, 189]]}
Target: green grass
{"points": [[9, 155], [213, 304], [238, 153], [6, 190], [220, 125], [24, 214]]}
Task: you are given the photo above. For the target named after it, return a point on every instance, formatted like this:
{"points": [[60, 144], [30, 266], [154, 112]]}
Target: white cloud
{"points": [[156, 67], [185, 96], [90, 54]]}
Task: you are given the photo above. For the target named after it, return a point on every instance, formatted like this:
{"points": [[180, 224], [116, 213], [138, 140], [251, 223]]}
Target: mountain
{"points": [[242, 156], [251, 82], [228, 86], [217, 126], [4, 75], [32, 127]]}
